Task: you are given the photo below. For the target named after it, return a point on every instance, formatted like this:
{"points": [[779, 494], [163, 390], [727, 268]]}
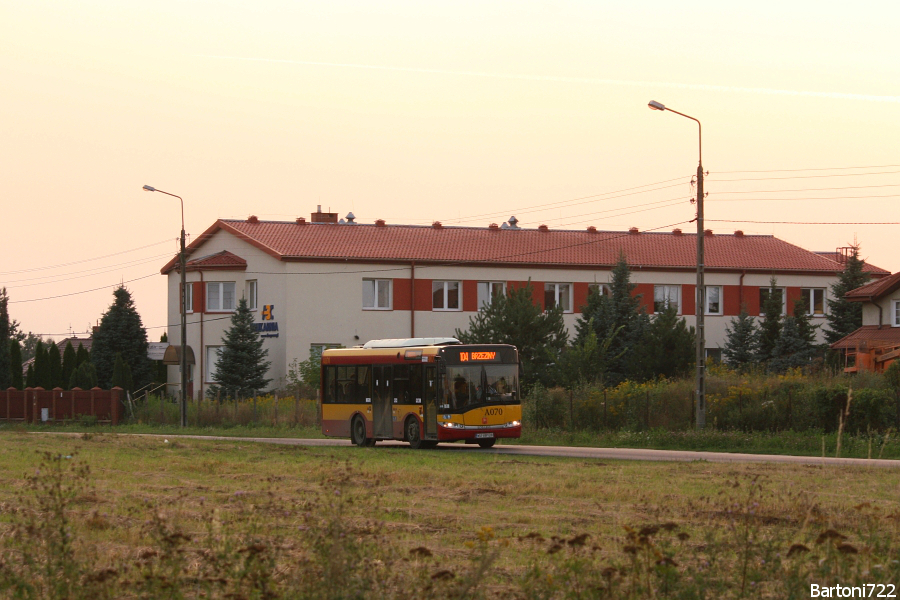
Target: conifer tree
{"points": [[121, 331], [242, 365], [41, 367], [121, 376], [84, 377], [30, 379], [619, 311], [741, 341], [770, 328], [5, 336], [514, 318], [69, 363], [16, 379], [845, 317], [668, 346], [54, 365], [81, 355], [797, 343]]}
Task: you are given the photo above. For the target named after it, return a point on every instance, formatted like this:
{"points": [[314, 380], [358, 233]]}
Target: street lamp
{"points": [[701, 288], [181, 260]]}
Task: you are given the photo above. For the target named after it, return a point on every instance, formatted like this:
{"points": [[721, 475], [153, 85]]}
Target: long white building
{"points": [[320, 282]]}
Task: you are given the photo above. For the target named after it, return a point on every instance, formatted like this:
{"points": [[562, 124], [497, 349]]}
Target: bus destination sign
{"points": [[476, 356]]}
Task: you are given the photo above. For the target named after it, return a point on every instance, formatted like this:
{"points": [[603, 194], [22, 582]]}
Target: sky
{"points": [[463, 112]]}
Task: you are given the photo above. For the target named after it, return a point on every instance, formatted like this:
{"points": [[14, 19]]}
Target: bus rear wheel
{"points": [[487, 443], [414, 434], [358, 432]]}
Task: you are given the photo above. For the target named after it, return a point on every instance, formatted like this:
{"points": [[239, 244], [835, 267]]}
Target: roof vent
{"points": [[676, 232], [591, 229], [633, 231], [738, 233], [707, 232], [351, 218], [379, 223], [494, 227], [301, 221], [437, 225], [252, 219], [513, 222], [543, 228]]}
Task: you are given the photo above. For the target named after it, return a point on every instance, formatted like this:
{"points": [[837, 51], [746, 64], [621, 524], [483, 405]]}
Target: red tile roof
{"points": [[223, 260], [523, 247], [867, 268], [869, 336], [874, 289]]}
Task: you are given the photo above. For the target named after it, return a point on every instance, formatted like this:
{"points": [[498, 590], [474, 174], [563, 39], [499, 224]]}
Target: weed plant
{"points": [[108, 516]]}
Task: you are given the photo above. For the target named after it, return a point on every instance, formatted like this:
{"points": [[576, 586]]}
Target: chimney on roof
{"points": [[708, 232], [738, 233], [323, 217], [543, 228], [252, 219], [379, 223], [591, 229], [633, 231], [301, 221], [494, 227], [676, 232], [437, 225]]}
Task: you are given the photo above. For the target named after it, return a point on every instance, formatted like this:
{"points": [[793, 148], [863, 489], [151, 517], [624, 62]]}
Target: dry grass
{"points": [[193, 518]]}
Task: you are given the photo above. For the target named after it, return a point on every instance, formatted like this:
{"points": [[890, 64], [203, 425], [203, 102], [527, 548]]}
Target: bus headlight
{"points": [[449, 425], [513, 423]]}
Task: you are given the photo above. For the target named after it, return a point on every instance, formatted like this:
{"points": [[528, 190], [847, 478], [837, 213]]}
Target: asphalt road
{"points": [[580, 452]]}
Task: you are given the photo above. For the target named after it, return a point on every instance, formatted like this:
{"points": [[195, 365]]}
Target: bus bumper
{"points": [[462, 432]]}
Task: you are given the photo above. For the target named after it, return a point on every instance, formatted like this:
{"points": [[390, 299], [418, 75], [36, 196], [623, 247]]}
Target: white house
{"points": [[322, 283]]}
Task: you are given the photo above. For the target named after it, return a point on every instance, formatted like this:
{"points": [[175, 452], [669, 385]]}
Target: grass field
{"points": [[109, 516]]}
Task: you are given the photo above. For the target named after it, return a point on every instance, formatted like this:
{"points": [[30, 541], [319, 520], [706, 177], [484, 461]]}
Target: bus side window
{"points": [[329, 385], [416, 385], [363, 384]]}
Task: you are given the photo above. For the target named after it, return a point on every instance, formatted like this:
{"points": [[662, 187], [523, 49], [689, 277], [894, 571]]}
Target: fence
{"points": [[37, 405]]}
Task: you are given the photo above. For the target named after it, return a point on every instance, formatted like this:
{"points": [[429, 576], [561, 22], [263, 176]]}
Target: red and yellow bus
{"points": [[422, 391]]}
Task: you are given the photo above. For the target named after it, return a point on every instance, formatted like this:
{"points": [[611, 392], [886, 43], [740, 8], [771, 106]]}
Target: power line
{"points": [[714, 199], [81, 292], [86, 273], [800, 222], [812, 176], [816, 169], [78, 262], [852, 187]]}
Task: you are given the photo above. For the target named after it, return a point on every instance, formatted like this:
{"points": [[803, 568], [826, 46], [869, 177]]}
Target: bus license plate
{"points": [[483, 435]]}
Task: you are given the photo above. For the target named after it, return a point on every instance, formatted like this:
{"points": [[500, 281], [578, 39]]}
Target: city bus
{"points": [[422, 391]]}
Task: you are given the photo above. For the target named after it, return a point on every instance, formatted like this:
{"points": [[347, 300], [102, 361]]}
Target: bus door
{"points": [[430, 417], [381, 402]]}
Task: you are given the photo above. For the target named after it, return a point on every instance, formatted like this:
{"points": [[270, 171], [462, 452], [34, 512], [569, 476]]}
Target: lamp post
{"points": [[183, 358], [701, 288]]}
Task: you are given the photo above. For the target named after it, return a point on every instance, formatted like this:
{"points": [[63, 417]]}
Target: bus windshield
{"points": [[475, 385]]}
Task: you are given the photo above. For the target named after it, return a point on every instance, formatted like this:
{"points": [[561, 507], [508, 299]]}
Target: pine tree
{"points": [[54, 364], [121, 330], [770, 328], [668, 346], [84, 377], [5, 336], [741, 341], [846, 317], [15, 365], [30, 379], [619, 311], [242, 365], [69, 363], [514, 318]]}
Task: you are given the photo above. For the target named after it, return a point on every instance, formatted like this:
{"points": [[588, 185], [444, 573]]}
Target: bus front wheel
{"points": [[358, 432], [414, 434], [487, 443]]}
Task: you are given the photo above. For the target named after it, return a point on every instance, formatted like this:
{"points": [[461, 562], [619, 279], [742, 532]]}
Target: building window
{"points": [[251, 291], [212, 363], [764, 295], [814, 301], [558, 294], [665, 296], [713, 300], [896, 312], [220, 296], [488, 290], [377, 294], [445, 295], [599, 288], [188, 297]]}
